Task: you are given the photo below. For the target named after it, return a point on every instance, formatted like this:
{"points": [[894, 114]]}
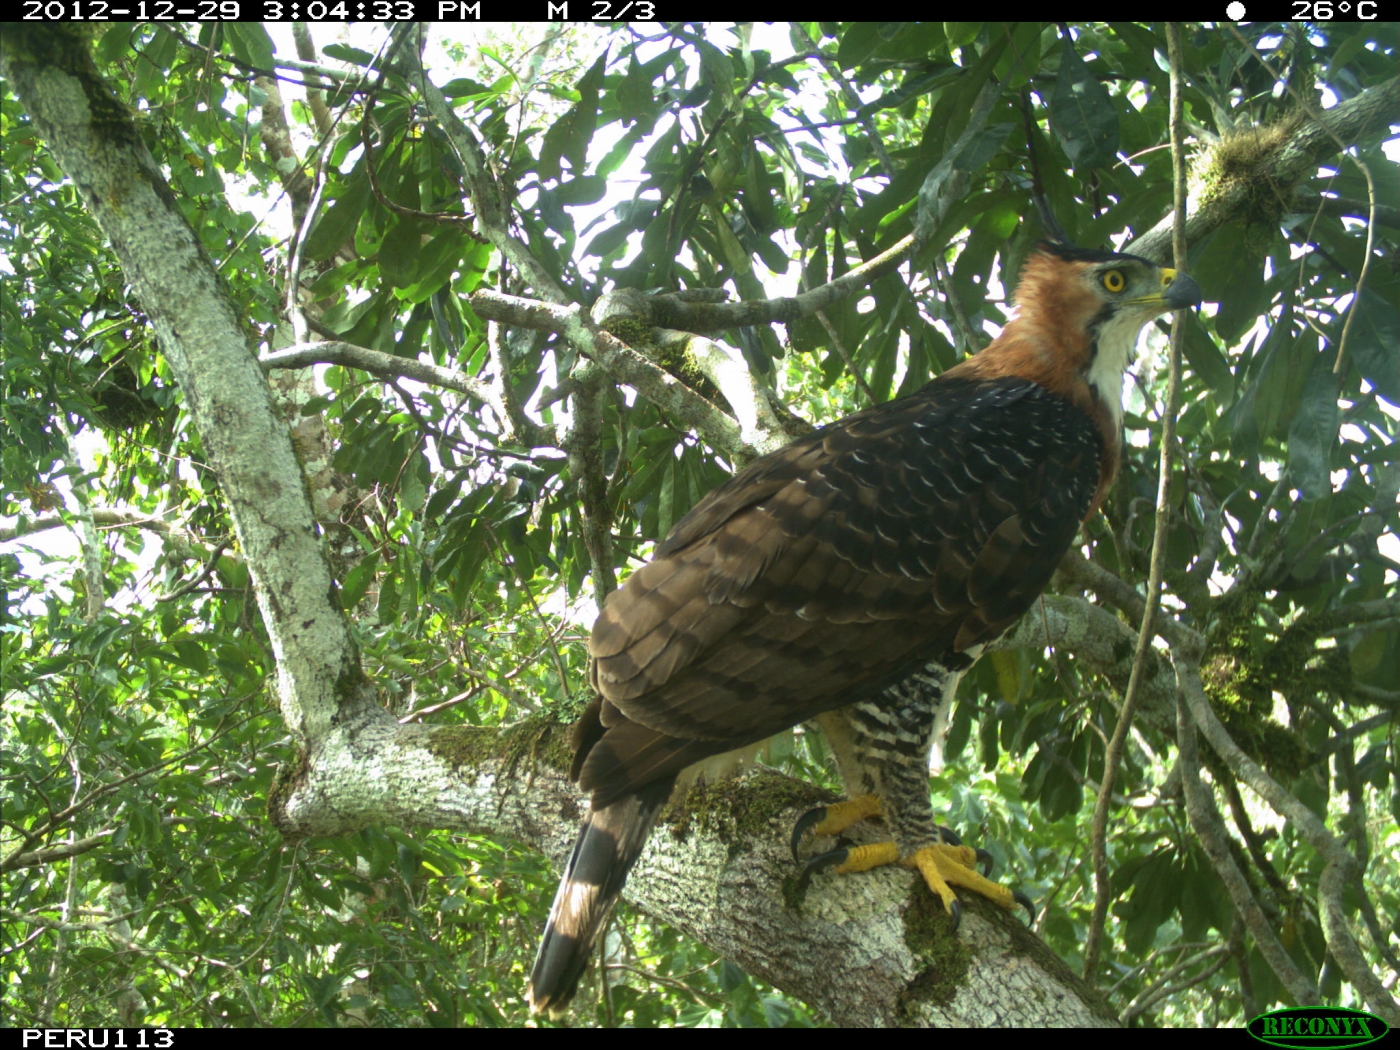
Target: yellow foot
{"points": [[835, 818], [863, 858], [942, 866]]}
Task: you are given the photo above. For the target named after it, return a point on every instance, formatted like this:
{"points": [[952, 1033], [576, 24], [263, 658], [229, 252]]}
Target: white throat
{"points": [[1117, 345]]}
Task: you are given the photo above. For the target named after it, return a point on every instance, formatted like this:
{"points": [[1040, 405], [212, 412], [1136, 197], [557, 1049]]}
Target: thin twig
{"points": [[945, 285], [840, 348]]}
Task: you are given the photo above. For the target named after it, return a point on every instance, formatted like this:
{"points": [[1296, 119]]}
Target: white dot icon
{"points": [[1235, 11]]}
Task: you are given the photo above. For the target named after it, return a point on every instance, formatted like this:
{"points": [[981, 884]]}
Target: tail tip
{"points": [[552, 1006]]}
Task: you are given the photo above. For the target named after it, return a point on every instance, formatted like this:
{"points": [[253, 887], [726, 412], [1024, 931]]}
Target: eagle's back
{"points": [[827, 571]]}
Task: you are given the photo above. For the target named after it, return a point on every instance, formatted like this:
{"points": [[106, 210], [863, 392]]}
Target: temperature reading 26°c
{"points": [[639, 10], [1326, 10]]}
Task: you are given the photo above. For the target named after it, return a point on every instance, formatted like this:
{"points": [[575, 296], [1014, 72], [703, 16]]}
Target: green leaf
{"points": [[586, 189], [115, 43], [189, 653], [609, 240], [357, 582], [635, 97], [337, 224], [1083, 116], [1265, 402], [979, 149], [1314, 431], [388, 607], [250, 42], [400, 253], [436, 262], [569, 136], [355, 56], [858, 41], [1375, 344], [1234, 277], [960, 34], [1204, 358]]}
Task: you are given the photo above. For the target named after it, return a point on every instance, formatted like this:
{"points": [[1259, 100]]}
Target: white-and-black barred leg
{"points": [[883, 756], [884, 751], [891, 735], [894, 728]]}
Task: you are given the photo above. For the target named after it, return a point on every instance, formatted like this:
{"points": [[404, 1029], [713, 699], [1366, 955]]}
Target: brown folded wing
{"points": [[828, 570]]}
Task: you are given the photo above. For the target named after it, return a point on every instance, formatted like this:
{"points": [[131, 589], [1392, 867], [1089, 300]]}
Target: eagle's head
{"points": [[1083, 309], [1078, 315]]}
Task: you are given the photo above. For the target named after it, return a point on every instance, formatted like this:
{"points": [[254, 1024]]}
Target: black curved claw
{"points": [[956, 914], [822, 861], [810, 819], [1024, 902], [952, 838], [985, 859]]}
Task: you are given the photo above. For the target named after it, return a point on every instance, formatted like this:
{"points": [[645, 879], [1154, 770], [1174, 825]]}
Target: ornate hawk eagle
{"points": [[852, 577]]}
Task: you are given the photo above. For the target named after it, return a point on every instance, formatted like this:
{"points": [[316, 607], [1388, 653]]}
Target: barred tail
{"points": [[609, 844]]}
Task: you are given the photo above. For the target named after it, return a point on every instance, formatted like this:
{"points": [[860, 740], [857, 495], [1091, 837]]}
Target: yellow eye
{"points": [[1113, 281]]}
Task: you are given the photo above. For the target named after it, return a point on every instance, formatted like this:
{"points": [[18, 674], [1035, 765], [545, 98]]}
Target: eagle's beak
{"points": [[1179, 291]]}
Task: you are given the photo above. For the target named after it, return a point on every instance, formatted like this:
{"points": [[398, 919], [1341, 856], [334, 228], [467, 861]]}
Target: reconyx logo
{"points": [[1317, 1026]]}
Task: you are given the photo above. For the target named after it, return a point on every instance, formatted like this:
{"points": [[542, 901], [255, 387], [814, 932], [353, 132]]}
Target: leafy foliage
{"points": [[135, 716]]}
